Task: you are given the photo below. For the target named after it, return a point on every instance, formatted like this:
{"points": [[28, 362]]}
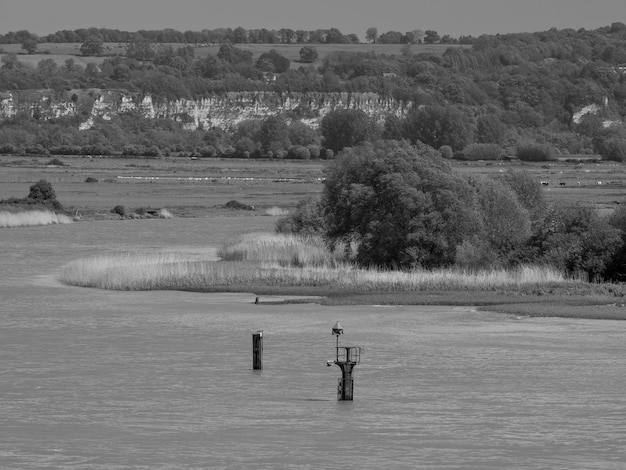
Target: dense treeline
{"points": [[237, 35], [506, 94]]}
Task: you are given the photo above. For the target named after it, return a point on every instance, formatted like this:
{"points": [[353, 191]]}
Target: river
{"points": [[93, 379]]}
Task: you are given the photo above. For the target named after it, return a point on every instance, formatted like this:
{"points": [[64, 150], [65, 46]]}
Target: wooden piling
{"points": [[257, 350]]}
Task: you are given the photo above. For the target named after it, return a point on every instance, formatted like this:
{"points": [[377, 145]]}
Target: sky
{"points": [[454, 17]]}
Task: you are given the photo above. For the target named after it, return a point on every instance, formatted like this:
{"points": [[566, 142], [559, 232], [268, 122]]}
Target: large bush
{"points": [[405, 206], [529, 193], [346, 128], [483, 152], [505, 222], [578, 241], [42, 190], [614, 149], [438, 126], [307, 219], [534, 152]]}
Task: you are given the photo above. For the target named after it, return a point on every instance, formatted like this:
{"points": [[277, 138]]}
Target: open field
{"points": [[573, 179], [199, 187], [60, 52], [187, 188]]}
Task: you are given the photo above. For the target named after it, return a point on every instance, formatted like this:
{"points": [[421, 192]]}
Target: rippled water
{"points": [[93, 379]]}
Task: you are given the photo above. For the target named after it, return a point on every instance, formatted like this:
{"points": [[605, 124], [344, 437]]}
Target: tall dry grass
{"points": [[276, 211], [272, 260], [31, 218], [285, 249]]}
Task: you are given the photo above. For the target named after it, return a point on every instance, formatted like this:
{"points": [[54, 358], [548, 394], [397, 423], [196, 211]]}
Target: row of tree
{"points": [[237, 35]]}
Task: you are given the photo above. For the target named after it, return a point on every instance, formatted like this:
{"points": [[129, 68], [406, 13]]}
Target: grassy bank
{"points": [[269, 264], [30, 218]]}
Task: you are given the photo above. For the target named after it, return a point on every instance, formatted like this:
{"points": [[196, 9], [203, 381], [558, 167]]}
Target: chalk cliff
{"points": [[222, 111]]}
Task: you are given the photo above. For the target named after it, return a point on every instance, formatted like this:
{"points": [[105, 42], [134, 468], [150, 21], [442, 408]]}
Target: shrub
{"points": [[35, 150], [8, 149], [483, 152], [529, 193], [307, 219], [577, 240], [446, 151], [119, 210], [534, 153], [299, 152], [238, 205], [42, 190], [314, 151], [56, 162], [614, 149]]}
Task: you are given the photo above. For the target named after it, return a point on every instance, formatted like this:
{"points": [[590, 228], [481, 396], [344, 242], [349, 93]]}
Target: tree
{"points": [[490, 129], [301, 134], [334, 36], [240, 35], [274, 134], [233, 55], [9, 61], [392, 129], [371, 34], [403, 204], [30, 45], [93, 46], [505, 222], [438, 126], [431, 37], [47, 67], [529, 193], [577, 240], [308, 54], [346, 128], [140, 48], [287, 35], [272, 61]]}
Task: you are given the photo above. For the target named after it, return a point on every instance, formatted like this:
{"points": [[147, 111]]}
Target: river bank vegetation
{"points": [[272, 265], [32, 217]]}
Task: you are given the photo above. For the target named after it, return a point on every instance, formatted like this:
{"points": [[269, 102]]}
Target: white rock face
{"points": [[589, 109], [223, 111]]}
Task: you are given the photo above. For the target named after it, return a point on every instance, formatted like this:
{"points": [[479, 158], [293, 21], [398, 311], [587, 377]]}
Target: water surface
{"points": [[93, 379]]}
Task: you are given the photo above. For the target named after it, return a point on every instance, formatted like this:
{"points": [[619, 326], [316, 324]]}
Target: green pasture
{"points": [[60, 52]]}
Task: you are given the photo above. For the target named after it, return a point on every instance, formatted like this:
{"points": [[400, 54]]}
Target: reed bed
{"points": [[287, 249], [164, 214], [276, 211], [32, 218], [155, 271]]}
